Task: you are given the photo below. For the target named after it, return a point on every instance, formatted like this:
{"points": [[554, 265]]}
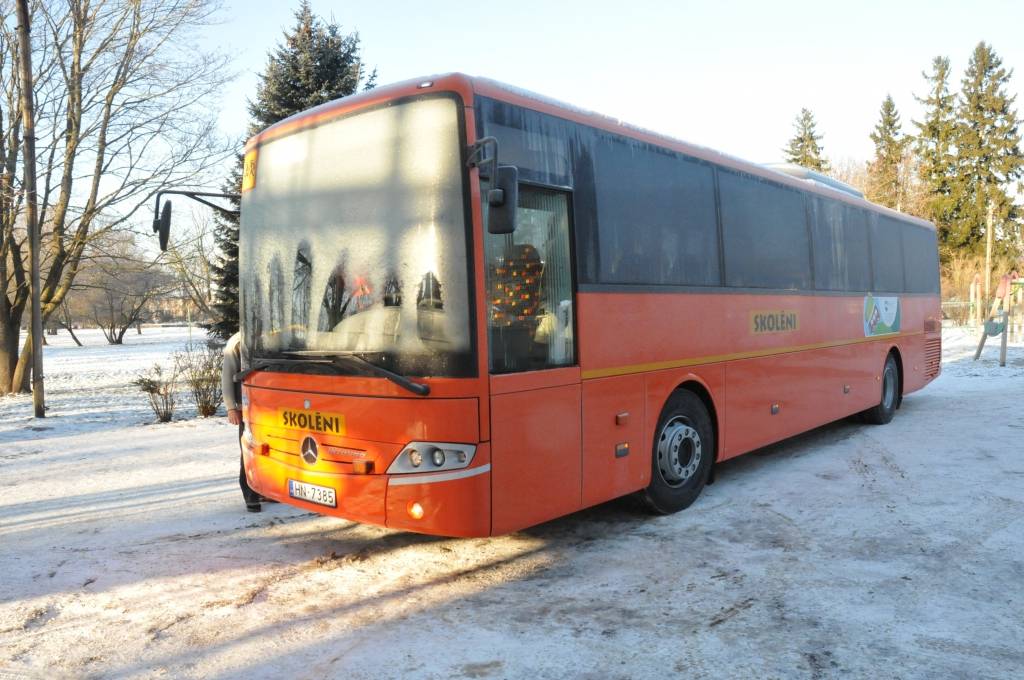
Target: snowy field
{"points": [[850, 551]]}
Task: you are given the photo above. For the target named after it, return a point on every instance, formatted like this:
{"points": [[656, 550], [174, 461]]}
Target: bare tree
{"points": [[123, 109], [190, 259], [65, 318], [850, 171], [910, 197], [120, 284], [913, 192]]}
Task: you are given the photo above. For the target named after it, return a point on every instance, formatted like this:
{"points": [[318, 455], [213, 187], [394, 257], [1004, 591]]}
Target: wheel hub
{"points": [[679, 452]]}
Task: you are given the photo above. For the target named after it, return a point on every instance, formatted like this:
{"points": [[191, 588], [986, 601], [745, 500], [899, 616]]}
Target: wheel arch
{"points": [[898, 356], [693, 384]]}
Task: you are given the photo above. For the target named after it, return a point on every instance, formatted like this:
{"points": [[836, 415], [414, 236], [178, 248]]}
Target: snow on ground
{"points": [[852, 550], [87, 388]]}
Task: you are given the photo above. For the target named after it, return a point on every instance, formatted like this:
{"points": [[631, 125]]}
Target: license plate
{"points": [[321, 495]]}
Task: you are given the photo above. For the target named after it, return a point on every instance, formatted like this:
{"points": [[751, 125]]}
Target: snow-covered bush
{"points": [[159, 387], [201, 366]]}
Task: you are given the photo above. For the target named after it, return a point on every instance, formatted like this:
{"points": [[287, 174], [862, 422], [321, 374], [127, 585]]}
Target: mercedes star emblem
{"points": [[309, 451]]}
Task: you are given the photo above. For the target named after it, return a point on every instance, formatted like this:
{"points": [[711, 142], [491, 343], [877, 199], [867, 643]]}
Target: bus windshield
{"points": [[353, 241]]}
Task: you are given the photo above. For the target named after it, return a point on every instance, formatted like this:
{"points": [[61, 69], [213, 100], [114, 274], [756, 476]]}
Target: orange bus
{"points": [[467, 309]]}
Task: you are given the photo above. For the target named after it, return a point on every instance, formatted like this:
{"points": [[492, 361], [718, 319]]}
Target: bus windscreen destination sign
{"points": [[779, 321]]}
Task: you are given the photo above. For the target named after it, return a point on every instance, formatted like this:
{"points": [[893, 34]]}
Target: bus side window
{"points": [[529, 287]]}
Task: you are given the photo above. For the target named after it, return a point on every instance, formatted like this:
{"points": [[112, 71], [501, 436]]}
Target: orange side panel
{"points": [[806, 388], [712, 337], [613, 425], [535, 452]]}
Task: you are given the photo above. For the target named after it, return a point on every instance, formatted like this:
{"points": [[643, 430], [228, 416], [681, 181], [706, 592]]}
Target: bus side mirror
{"points": [[162, 225], [502, 200]]}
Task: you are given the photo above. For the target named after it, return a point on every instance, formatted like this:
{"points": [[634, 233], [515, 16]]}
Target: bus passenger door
{"points": [[535, 379]]}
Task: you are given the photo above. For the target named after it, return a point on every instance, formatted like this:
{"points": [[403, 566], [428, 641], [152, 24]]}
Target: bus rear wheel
{"points": [[883, 412], [682, 455]]}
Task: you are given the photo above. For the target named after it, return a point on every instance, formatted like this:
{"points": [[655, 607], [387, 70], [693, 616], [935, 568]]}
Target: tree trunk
{"points": [[8, 356], [73, 336], [28, 109], [23, 371]]}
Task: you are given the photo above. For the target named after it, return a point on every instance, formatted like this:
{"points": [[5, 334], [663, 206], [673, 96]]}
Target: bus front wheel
{"points": [[883, 412], [682, 455]]}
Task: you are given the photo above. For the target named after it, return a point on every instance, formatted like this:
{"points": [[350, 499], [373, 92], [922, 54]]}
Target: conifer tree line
{"points": [[962, 160], [315, 63]]}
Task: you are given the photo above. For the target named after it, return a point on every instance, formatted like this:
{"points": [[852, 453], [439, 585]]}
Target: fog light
{"points": [[437, 457], [416, 458], [415, 510]]}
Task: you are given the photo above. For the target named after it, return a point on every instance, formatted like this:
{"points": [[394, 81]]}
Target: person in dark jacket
{"points": [[232, 391]]}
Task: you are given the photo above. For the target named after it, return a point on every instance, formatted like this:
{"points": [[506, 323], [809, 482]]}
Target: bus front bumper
{"points": [[455, 503]]}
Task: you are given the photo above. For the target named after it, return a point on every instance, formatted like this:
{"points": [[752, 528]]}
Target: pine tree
{"points": [[225, 265], [934, 146], [316, 63], [885, 179], [988, 152], [805, 147]]}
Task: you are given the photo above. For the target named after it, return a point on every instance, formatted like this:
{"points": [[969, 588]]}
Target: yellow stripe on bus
{"points": [[718, 358]]}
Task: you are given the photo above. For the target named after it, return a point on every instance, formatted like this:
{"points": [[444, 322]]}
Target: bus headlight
{"points": [[442, 456]]}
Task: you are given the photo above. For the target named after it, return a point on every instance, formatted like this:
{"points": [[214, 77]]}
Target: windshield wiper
{"points": [[337, 358], [260, 364]]}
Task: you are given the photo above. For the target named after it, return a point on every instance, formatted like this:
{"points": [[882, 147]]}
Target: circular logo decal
{"points": [[309, 450]]}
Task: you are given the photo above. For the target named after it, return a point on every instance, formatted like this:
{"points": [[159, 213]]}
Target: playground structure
{"points": [[1005, 317]]}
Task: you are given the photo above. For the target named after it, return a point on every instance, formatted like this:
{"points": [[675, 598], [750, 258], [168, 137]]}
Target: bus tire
{"points": [[682, 454], [889, 400]]}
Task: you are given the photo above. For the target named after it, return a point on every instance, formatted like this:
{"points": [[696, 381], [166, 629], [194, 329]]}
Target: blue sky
{"points": [[730, 75]]}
